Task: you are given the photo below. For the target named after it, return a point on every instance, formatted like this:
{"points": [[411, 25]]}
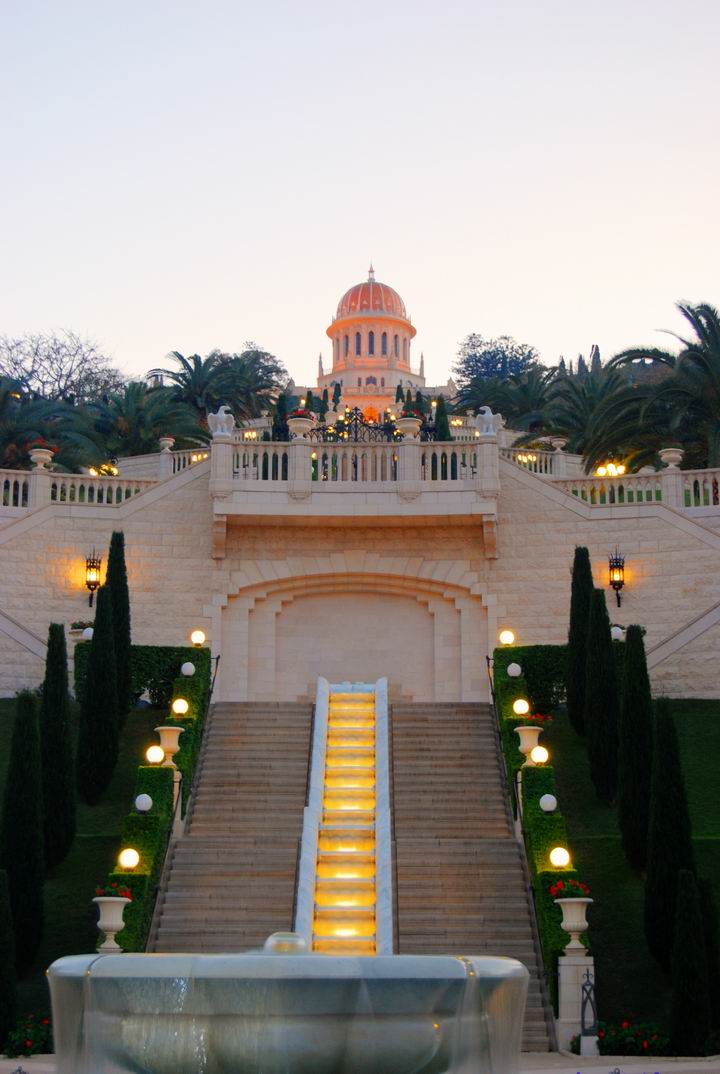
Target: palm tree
{"points": [[131, 422], [521, 398], [574, 403], [692, 390], [23, 420], [250, 381], [197, 382]]}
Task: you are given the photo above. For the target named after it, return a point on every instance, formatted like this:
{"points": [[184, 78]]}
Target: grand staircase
{"points": [[461, 882], [230, 880], [461, 885]]}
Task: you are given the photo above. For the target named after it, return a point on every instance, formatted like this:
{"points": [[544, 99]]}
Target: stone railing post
{"points": [[39, 481], [672, 487], [559, 464], [409, 476], [299, 468], [487, 478], [572, 969], [165, 464], [221, 465]]}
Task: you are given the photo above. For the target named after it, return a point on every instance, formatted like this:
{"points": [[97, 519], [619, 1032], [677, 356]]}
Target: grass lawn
{"points": [[629, 982], [69, 913]]}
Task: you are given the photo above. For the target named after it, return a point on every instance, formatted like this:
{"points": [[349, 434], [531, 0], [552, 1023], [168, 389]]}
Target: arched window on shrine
{"points": [[396, 346], [371, 380], [347, 345], [384, 343], [357, 343], [371, 342]]}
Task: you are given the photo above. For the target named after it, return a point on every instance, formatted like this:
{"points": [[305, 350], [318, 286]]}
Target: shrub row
{"points": [[148, 833], [542, 830], [153, 668]]}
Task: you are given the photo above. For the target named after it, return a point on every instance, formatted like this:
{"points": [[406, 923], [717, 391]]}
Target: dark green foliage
{"points": [[148, 833], [442, 425], [635, 743], [324, 403], [311, 402], [337, 394], [420, 402], [708, 910], [580, 595], [280, 430], [543, 831], [58, 765], [669, 837], [409, 401], [543, 672], [8, 990], [117, 583], [601, 701], [97, 747], [690, 1011], [399, 397], [21, 833], [154, 668]]}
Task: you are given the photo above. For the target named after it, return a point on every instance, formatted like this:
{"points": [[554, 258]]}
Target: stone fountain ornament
{"points": [[284, 1011]]}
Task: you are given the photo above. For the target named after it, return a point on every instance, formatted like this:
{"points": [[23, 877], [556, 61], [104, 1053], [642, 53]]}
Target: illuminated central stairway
{"points": [[345, 895]]}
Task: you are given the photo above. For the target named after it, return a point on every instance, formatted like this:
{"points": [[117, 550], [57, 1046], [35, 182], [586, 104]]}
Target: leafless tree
{"points": [[63, 366]]}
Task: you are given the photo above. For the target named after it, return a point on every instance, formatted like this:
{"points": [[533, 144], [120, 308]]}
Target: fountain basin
{"points": [[262, 1013]]}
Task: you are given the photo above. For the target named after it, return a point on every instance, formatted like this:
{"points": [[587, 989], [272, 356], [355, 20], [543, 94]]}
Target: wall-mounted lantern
{"points": [[93, 564], [616, 573]]}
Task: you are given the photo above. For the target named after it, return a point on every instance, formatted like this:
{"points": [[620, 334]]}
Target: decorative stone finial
{"points": [[371, 274], [222, 423]]}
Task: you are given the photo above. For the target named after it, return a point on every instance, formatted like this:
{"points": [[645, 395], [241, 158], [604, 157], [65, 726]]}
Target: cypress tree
{"points": [[399, 397], [635, 750], [310, 401], [117, 583], [58, 767], [420, 402], [580, 594], [97, 749], [409, 401], [8, 992], [690, 1008], [324, 403], [442, 425], [601, 700], [337, 394], [708, 909], [670, 846], [21, 833], [280, 425]]}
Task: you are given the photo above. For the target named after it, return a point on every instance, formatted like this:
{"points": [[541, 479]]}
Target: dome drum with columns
{"points": [[371, 336]]}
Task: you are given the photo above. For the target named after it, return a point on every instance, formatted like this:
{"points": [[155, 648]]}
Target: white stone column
{"points": [[299, 468], [487, 478], [672, 486], [409, 483], [38, 487], [572, 968]]}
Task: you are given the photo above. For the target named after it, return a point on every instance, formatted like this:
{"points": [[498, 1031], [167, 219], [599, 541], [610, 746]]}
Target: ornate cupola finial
{"points": [[371, 274]]}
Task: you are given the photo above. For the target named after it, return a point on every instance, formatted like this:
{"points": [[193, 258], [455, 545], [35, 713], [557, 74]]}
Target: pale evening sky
{"points": [[186, 175]]}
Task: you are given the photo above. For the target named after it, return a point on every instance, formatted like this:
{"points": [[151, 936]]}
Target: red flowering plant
{"points": [[411, 412], [302, 412], [31, 1036], [628, 1038], [112, 891], [40, 442], [538, 717], [569, 889]]}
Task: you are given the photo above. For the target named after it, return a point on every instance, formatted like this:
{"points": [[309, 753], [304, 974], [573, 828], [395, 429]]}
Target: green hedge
{"points": [[543, 684], [543, 831], [543, 674], [153, 668], [149, 833]]}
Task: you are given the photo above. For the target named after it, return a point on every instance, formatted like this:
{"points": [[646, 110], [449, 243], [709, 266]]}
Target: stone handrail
{"points": [[14, 488], [332, 466], [537, 462], [701, 488], [99, 491], [611, 491]]}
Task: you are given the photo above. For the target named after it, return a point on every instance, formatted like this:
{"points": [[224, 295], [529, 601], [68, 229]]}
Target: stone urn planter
{"points": [[558, 442], [169, 742], [529, 735], [166, 443], [331, 417], [409, 427], [574, 912], [110, 920], [300, 427], [671, 456], [40, 457]]}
